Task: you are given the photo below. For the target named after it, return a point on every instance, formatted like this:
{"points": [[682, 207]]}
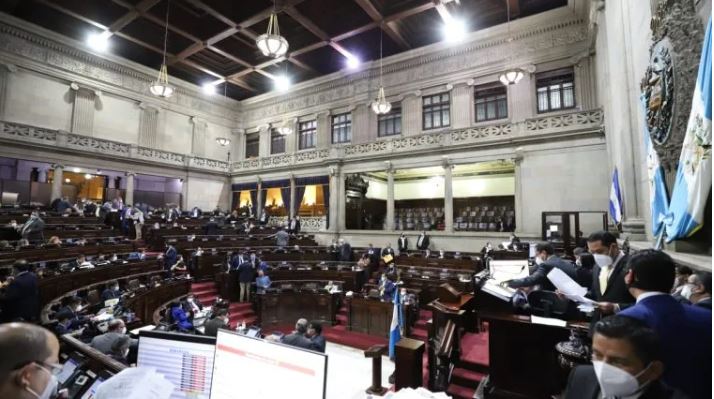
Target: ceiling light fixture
{"points": [[161, 87], [513, 75], [454, 30], [271, 44], [285, 128], [208, 88], [99, 41], [381, 106], [87, 176], [66, 180], [282, 83], [222, 141], [352, 61]]}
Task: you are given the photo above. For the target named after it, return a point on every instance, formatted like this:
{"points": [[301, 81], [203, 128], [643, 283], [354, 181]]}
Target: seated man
{"points": [[698, 289], [111, 292], [262, 282], [219, 320], [627, 363], [297, 338], [546, 261], [104, 342], [180, 317], [120, 349], [83, 263], [314, 333]]}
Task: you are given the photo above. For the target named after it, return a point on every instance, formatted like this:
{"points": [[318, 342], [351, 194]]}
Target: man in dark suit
{"points": [[297, 338], [627, 363], [372, 254], [294, 226], [246, 275], [402, 243], [679, 326], [196, 212], [345, 251], [111, 291], [219, 320], [90, 209], [33, 228], [608, 287], [170, 255], [422, 241], [314, 333], [211, 228], [21, 297], [699, 291], [546, 261]]}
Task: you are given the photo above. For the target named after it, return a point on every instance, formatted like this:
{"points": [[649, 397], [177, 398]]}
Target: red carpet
{"points": [[206, 293]]}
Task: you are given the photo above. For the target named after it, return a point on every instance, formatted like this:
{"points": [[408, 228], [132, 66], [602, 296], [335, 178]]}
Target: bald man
{"points": [[29, 355]]}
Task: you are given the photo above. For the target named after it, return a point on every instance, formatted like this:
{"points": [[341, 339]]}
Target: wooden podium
{"points": [[409, 354], [375, 352]]}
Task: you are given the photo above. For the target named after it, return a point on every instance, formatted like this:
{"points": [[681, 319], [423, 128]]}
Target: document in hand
{"points": [[569, 287], [136, 383]]}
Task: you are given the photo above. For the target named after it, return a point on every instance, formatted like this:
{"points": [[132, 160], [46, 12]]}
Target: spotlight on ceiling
{"points": [[76, 170], [282, 83], [87, 176], [66, 180], [99, 41], [352, 62], [454, 30], [208, 89]]}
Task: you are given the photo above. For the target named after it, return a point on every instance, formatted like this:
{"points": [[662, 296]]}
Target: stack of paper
{"points": [[136, 383], [419, 393], [571, 289]]}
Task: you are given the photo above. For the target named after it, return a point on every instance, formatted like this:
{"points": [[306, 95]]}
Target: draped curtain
{"points": [[326, 195], [254, 201], [299, 193], [285, 193]]}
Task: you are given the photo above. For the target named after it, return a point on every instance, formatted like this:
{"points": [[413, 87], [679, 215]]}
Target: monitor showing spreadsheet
{"points": [[185, 360], [68, 369], [266, 369]]}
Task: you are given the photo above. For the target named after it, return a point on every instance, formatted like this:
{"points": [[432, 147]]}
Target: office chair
{"points": [[547, 304]]}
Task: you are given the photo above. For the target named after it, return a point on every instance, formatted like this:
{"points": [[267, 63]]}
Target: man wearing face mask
{"points": [[546, 261], [608, 285], [30, 354], [679, 326], [115, 330], [698, 290], [627, 364], [111, 292]]}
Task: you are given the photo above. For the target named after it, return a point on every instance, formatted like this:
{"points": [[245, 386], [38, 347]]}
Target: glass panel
{"points": [[480, 112], [491, 110], [502, 110], [398, 125], [445, 118], [568, 99], [555, 98]]}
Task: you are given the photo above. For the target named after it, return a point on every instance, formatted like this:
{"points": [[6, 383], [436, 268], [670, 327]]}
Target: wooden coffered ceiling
{"points": [[215, 39]]}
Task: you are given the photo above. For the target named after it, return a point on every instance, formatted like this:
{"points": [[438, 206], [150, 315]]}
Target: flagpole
{"points": [[659, 242]]}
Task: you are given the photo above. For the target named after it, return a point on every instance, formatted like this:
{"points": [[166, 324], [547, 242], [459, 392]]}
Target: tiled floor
{"points": [[349, 373]]}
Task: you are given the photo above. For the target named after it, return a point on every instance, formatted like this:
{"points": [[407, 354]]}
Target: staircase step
{"points": [[241, 313], [342, 319], [208, 284], [459, 392], [420, 334], [466, 378], [421, 323]]}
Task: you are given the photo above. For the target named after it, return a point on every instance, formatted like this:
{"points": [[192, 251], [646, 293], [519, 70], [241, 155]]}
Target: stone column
{"points": [[461, 105], [390, 197], [129, 195], [521, 97], [259, 198], [341, 202], [584, 83], [294, 208], [57, 181], [198, 144], [148, 125], [518, 205], [411, 114], [448, 197], [360, 124], [264, 145], [291, 139], [237, 145], [334, 189], [323, 131], [83, 109], [5, 70]]}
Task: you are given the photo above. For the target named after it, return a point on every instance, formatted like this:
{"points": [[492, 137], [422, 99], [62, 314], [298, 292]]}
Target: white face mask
{"points": [[123, 330], [538, 260], [687, 291], [614, 381], [50, 390], [578, 263], [603, 260]]}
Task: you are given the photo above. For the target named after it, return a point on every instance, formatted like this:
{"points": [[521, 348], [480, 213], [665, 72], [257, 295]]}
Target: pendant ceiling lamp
{"points": [[161, 87], [271, 44], [513, 75], [285, 128], [380, 105]]}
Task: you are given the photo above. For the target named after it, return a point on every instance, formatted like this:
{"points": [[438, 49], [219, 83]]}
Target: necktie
{"points": [[604, 276]]}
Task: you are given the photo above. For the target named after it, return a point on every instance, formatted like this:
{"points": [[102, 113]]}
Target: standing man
{"points": [[423, 241], [33, 229], [21, 300], [345, 251], [138, 216], [263, 219], [246, 275], [294, 226], [402, 243], [608, 285], [281, 238], [546, 261], [170, 256], [649, 279]]}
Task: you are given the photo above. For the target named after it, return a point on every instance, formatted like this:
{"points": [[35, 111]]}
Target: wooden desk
{"points": [[285, 308], [32, 255], [146, 303], [373, 317]]}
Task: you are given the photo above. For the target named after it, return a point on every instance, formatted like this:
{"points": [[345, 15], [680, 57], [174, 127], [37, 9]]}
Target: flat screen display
{"points": [[67, 370], [89, 393], [185, 360], [266, 369]]}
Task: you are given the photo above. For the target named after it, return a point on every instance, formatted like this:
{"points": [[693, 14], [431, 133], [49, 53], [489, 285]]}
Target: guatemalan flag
{"points": [[659, 202], [615, 199], [395, 330], [694, 174]]}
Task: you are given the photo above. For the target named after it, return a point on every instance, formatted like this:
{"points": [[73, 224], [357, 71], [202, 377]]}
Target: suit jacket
{"points": [[346, 252], [246, 272], [170, 257], [540, 275], [181, 318], [403, 244], [21, 299], [298, 340], [32, 229], [210, 229], [705, 303], [211, 327], [616, 291], [109, 293], [423, 242], [582, 384], [685, 332], [281, 238], [104, 342], [318, 343]]}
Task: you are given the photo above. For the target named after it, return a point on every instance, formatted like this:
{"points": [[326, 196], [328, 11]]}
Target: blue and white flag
{"points": [[615, 199], [694, 173], [395, 329], [659, 201]]}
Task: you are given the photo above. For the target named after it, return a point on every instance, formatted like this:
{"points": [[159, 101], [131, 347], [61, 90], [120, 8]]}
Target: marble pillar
{"points": [[461, 105], [334, 196], [259, 198], [148, 125], [294, 208], [57, 181], [448, 197], [390, 198], [83, 109], [411, 114], [5, 70], [198, 144], [129, 194]]}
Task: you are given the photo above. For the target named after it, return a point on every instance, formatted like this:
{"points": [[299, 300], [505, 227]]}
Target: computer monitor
{"points": [[185, 360], [68, 369], [273, 370]]}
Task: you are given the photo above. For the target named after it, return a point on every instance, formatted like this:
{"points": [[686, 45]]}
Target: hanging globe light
{"points": [[380, 105], [511, 76], [271, 44], [285, 128], [161, 87]]}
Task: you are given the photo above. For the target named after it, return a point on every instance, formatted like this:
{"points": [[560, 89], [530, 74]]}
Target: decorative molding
{"points": [[564, 120]]}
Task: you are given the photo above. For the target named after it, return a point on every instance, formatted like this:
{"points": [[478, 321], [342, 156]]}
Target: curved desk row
{"points": [[38, 254], [302, 300]]}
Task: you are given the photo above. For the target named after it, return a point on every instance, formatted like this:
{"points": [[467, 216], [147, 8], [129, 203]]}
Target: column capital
{"points": [[57, 166], [149, 107], [389, 167], [197, 121], [9, 67], [132, 174], [447, 163]]}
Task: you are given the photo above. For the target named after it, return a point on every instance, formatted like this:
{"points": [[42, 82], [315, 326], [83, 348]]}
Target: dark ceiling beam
{"points": [[376, 16], [133, 14], [230, 56], [158, 21]]}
